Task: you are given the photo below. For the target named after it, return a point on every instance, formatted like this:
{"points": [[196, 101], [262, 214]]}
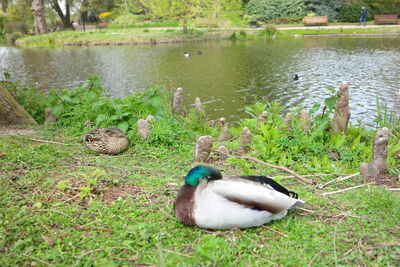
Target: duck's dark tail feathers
{"points": [[268, 181]]}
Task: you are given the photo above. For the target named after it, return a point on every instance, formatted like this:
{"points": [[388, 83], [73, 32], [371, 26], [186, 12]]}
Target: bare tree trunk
{"points": [[4, 5], [184, 26], [65, 19], [11, 113], [40, 19]]}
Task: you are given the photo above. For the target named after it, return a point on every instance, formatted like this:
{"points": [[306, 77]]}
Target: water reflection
{"points": [[227, 73]]}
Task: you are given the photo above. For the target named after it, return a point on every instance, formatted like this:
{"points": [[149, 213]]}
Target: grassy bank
{"points": [[63, 204], [120, 37], [171, 35]]}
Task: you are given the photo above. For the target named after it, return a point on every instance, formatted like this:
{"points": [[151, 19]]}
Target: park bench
{"points": [[386, 19], [316, 20]]}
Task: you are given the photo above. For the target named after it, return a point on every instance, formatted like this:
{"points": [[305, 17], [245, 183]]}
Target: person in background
{"points": [[363, 16]]}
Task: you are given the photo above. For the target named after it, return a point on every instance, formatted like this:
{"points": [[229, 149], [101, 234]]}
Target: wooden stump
{"points": [[262, 117], [143, 128], [342, 114], [288, 121], [203, 148], [245, 140], [177, 104], [378, 166], [48, 115], [198, 106], [305, 121], [12, 113], [221, 122], [225, 135]]}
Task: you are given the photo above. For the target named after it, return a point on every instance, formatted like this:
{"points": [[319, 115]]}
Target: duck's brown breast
{"points": [[184, 205]]}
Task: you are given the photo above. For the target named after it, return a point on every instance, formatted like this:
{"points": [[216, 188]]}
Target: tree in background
{"points": [[4, 5], [63, 10], [39, 17], [384, 6], [183, 10], [19, 17], [276, 9]]}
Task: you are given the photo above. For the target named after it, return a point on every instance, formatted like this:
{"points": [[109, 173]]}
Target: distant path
{"points": [[337, 27], [349, 26]]}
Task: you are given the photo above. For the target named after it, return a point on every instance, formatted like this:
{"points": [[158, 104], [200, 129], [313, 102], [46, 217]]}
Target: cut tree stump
{"points": [[378, 166], [12, 113], [342, 114]]}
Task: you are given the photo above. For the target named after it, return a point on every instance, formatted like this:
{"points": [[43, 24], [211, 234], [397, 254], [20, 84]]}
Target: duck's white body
{"points": [[231, 202]]}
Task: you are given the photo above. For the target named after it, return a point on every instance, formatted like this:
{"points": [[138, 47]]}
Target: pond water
{"points": [[228, 74]]}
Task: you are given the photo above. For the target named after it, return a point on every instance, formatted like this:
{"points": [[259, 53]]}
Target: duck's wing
{"points": [[270, 183], [254, 195], [95, 135]]}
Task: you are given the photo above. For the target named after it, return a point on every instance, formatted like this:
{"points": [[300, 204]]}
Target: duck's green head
{"points": [[202, 172]]}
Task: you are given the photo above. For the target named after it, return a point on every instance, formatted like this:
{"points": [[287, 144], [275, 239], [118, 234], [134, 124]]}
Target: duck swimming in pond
{"points": [[296, 77], [210, 200]]}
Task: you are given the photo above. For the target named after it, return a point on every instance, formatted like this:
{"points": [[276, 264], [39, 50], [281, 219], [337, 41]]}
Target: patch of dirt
{"points": [[15, 131], [121, 192]]}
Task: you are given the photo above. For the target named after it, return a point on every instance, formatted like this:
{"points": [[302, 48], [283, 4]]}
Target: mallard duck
{"points": [[106, 140], [210, 200], [186, 54]]}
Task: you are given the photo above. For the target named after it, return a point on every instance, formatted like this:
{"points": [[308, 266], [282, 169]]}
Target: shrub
{"points": [[351, 12], [269, 30], [330, 8], [19, 18], [276, 9]]}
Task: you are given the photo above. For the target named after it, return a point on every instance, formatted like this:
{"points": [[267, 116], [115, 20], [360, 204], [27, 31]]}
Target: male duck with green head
{"points": [[210, 200]]}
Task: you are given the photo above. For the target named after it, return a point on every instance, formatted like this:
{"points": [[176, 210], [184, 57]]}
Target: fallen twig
{"points": [[346, 189], [339, 179], [169, 216], [50, 142], [178, 253], [299, 177], [306, 210], [393, 189], [276, 231], [313, 175]]}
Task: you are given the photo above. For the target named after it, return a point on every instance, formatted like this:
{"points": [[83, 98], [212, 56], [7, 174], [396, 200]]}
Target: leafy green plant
{"points": [[269, 30], [92, 183], [385, 118]]}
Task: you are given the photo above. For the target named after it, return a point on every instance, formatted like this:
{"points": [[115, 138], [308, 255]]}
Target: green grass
{"points": [[129, 220], [114, 36]]}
